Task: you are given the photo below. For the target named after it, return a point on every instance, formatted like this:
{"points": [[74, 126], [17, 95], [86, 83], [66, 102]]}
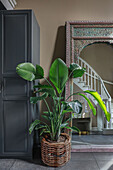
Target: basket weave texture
{"points": [[56, 154]]}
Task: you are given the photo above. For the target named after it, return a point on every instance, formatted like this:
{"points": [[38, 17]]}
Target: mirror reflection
{"points": [[97, 58]]}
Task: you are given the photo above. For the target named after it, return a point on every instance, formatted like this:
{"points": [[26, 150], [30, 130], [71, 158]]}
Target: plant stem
{"points": [[47, 81], [74, 94], [49, 114], [47, 105]]}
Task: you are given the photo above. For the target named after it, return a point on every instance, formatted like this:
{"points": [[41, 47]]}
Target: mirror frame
{"points": [[80, 34]]}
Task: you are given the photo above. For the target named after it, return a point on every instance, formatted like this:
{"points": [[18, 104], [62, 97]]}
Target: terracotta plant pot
{"points": [[57, 153]]}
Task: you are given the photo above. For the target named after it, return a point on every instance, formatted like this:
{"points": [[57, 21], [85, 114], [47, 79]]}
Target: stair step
{"points": [[86, 86], [81, 82], [107, 131]]}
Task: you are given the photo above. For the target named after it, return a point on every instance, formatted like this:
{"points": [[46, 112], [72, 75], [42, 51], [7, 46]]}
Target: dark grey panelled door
{"points": [[15, 114]]}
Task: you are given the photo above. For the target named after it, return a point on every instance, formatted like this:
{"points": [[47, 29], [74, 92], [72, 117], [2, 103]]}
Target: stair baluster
{"points": [[88, 75], [91, 80]]}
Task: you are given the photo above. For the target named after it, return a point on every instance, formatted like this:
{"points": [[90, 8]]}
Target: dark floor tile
{"points": [[5, 164], [24, 165], [80, 165], [103, 156], [82, 156]]}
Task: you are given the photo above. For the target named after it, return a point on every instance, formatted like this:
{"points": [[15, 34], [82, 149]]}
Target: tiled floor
{"points": [[79, 161]]}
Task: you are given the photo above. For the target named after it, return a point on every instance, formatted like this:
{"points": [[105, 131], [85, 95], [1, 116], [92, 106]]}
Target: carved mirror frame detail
{"points": [[80, 34]]}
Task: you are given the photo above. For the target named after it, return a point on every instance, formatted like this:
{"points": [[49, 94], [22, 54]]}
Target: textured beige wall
{"points": [[52, 14]]}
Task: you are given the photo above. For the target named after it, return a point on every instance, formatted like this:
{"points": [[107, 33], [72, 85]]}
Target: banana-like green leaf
{"points": [[35, 99], [48, 113], [100, 102], [33, 125], [89, 102], [58, 74], [50, 91], [39, 72], [73, 128], [76, 70], [67, 111], [44, 131], [40, 86], [46, 117], [58, 98], [40, 127], [67, 120], [26, 71], [76, 106], [63, 125], [65, 108]]}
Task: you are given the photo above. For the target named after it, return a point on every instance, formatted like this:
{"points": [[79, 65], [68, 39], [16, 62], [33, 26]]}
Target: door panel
{"points": [[15, 126], [14, 87], [14, 96], [15, 41]]}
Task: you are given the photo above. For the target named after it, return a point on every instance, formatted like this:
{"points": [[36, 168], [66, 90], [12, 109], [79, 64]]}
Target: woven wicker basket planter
{"points": [[56, 154]]}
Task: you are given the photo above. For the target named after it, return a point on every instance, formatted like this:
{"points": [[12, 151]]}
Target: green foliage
{"points": [[63, 125], [58, 76], [35, 99], [39, 72], [40, 86], [73, 106], [50, 91], [46, 117], [89, 102], [26, 71], [73, 128], [76, 106], [100, 102], [76, 70], [33, 125]]}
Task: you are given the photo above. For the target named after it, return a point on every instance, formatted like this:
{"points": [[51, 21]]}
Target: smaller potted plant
{"points": [[55, 145]]}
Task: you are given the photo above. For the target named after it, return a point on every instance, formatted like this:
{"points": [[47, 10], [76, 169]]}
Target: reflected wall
{"points": [[100, 57]]}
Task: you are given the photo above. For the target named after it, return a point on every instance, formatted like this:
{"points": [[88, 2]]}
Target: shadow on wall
{"points": [[59, 52], [60, 44]]}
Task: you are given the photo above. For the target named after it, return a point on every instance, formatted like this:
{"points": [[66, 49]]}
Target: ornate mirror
{"points": [[89, 44]]}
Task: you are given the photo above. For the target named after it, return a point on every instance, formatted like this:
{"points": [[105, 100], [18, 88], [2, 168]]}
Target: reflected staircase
{"points": [[92, 81]]}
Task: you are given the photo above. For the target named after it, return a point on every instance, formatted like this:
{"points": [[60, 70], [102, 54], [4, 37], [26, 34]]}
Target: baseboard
{"points": [[107, 131], [92, 148]]}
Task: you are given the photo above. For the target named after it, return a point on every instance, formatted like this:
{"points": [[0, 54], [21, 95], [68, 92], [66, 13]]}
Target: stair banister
{"points": [[96, 76], [92, 79]]}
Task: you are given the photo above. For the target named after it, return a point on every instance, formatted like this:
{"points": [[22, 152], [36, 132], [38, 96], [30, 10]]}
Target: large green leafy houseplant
{"points": [[59, 74]]}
